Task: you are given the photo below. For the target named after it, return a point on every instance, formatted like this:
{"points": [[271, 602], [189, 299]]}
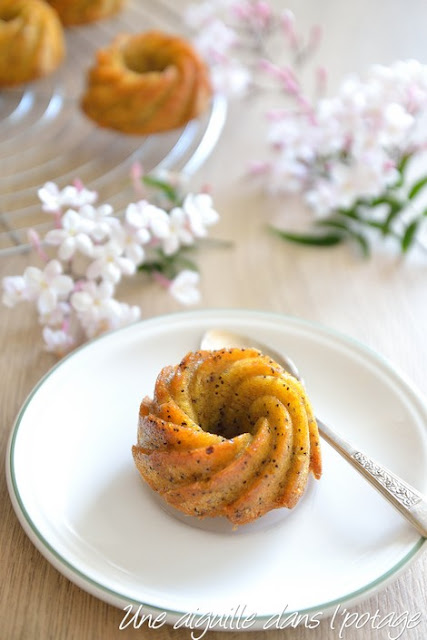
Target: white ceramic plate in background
{"points": [[80, 499]]}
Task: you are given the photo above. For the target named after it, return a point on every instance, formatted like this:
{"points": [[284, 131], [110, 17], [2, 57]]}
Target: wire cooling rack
{"points": [[45, 136]]}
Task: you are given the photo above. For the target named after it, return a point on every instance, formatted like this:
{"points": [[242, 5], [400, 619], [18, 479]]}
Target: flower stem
{"points": [[161, 279]]}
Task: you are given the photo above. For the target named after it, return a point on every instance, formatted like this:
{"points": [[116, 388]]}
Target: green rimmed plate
{"points": [[78, 496]]}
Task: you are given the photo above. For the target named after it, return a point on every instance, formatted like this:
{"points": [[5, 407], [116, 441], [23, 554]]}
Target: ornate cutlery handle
{"points": [[410, 502]]}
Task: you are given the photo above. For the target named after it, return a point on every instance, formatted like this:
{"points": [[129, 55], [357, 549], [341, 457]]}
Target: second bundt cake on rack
{"points": [[228, 433], [146, 83]]}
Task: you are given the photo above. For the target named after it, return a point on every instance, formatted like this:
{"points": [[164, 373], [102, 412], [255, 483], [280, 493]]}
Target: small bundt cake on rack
{"points": [[147, 83], [228, 433], [31, 41], [82, 11]]}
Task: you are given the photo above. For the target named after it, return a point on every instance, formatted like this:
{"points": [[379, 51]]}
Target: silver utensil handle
{"points": [[410, 502]]}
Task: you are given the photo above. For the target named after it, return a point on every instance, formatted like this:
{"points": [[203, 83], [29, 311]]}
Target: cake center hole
{"points": [[229, 429], [235, 425], [9, 15], [144, 62]]}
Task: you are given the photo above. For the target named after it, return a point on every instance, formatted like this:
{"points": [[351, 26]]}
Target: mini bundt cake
{"points": [[82, 11], [31, 41], [228, 433], [146, 83]]}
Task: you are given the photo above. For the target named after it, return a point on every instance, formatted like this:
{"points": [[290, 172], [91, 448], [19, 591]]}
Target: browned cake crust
{"points": [[82, 11], [228, 433], [31, 41], [146, 83]]}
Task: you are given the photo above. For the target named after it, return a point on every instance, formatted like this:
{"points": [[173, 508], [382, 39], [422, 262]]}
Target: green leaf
{"points": [[217, 243], [169, 191], [416, 188], [186, 263], [386, 199], [349, 231], [374, 224], [315, 240], [403, 163], [409, 235], [169, 266], [401, 167], [149, 267], [395, 209], [354, 214], [349, 213]]}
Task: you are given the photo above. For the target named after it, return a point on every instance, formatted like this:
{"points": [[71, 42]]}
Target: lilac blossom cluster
{"points": [[349, 147], [237, 38], [90, 249], [346, 155]]}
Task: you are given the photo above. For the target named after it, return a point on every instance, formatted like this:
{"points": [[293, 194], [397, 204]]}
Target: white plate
{"points": [[80, 499]]}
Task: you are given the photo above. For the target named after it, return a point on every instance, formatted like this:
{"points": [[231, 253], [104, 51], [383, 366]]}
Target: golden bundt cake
{"points": [[31, 41], [228, 433], [146, 83], [82, 11]]}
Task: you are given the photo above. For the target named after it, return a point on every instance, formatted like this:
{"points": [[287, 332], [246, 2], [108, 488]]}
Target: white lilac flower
{"points": [[159, 222], [124, 314], [257, 14], [296, 137], [288, 20], [200, 213], [98, 248], [58, 341], [179, 232], [73, 236], [109, 263], [287, 174], [322, 197], [231, 78], [57, 316], [143, 215], [366, 177], [47, 286], [404, 82], [14, 290], [346, 148], [215, 40], [95, 306], [417, 136], [346, 183], [128, 315], [375, 112], [98, 311], [91, 297], [184, 287], [397, 123], [137, 214], [101, 219], [328, 133], [132, 241], [54, 199], [137, 223]]}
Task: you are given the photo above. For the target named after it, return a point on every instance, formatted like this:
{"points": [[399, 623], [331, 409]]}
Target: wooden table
{"points": [[381, 302]]}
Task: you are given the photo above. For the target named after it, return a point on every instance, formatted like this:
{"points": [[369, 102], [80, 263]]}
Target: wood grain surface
{"points": [[381, 302]]}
